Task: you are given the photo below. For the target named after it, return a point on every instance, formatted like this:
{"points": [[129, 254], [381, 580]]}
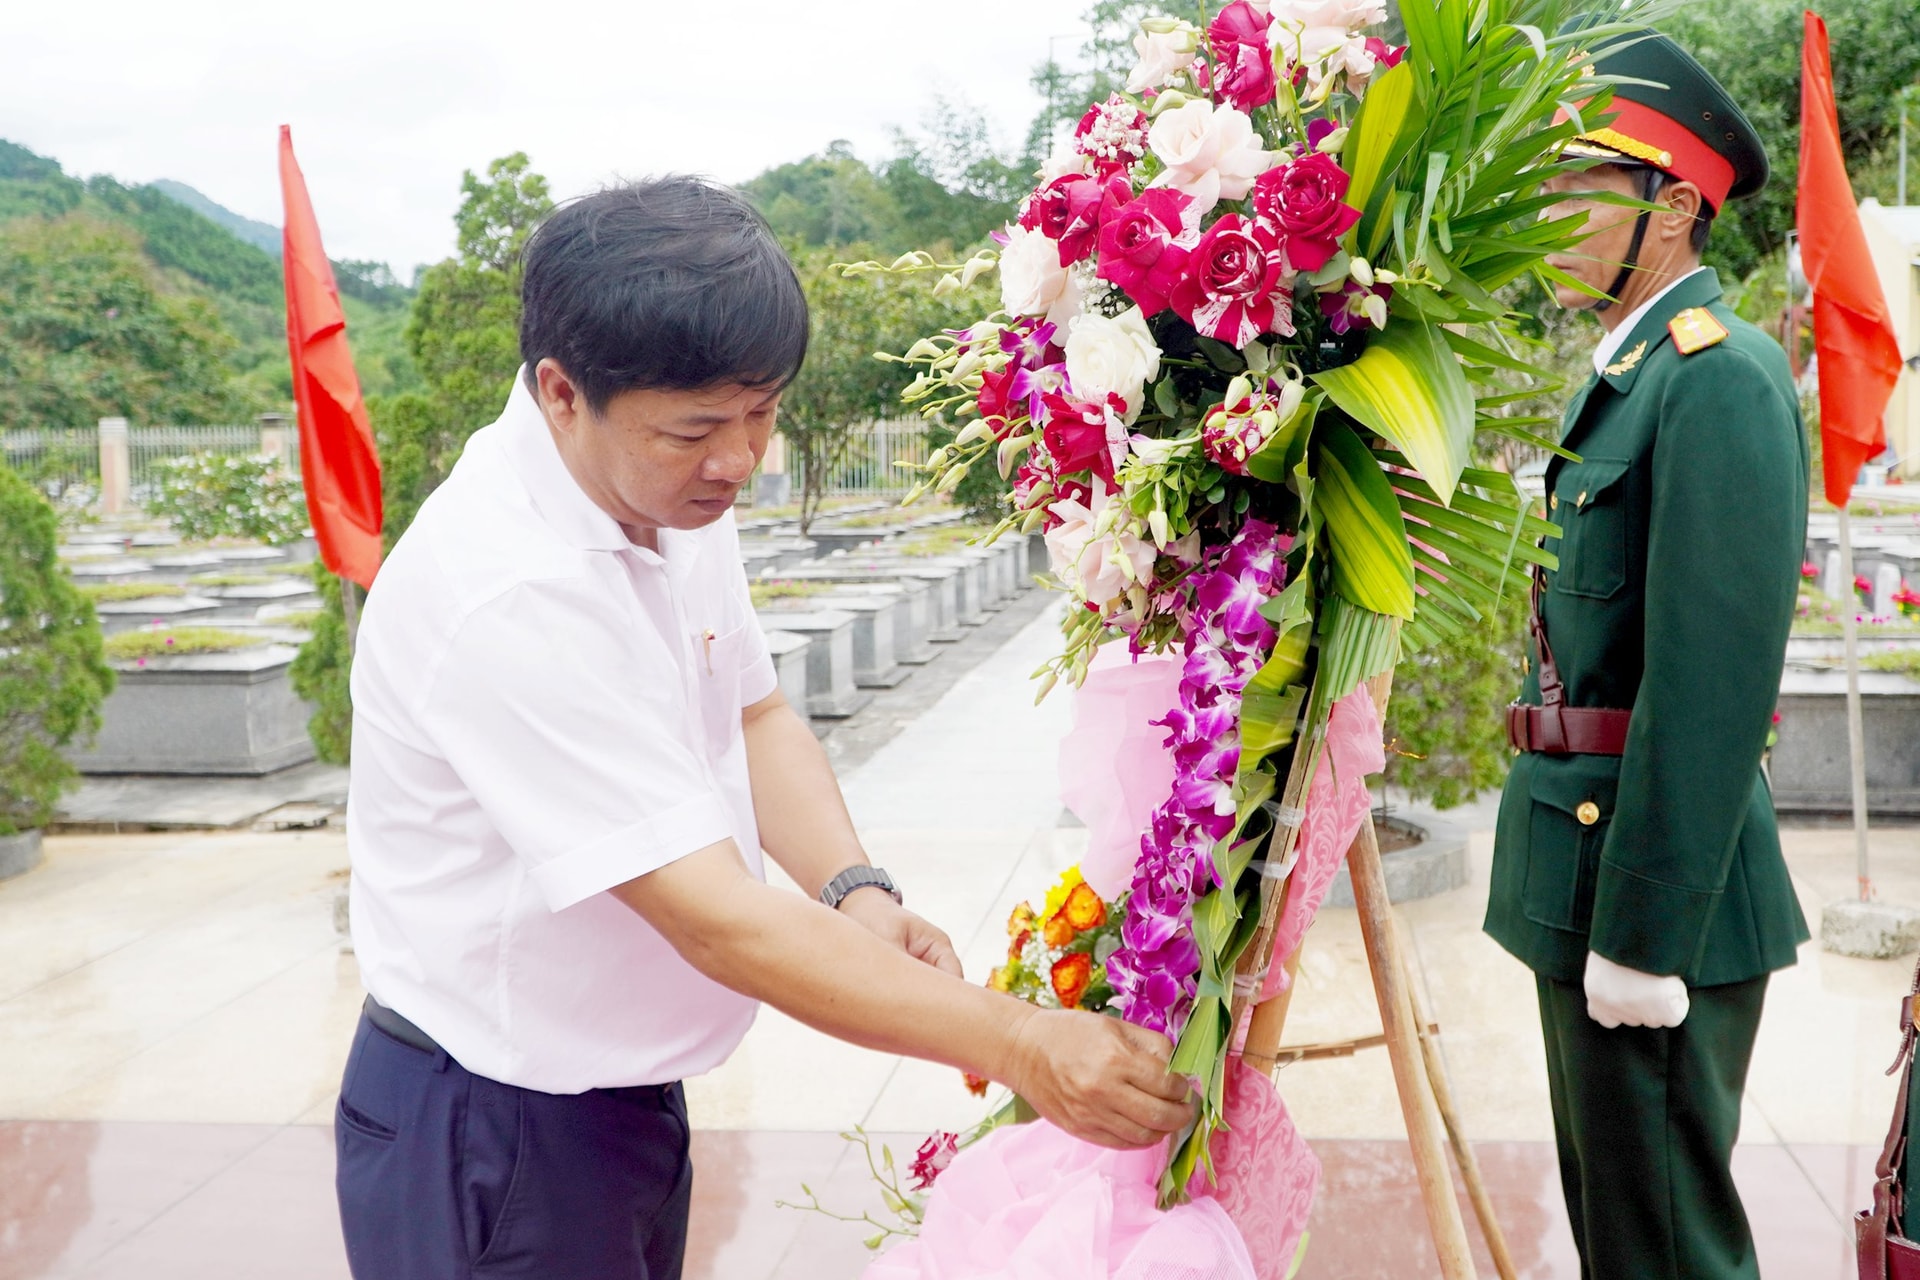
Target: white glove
{"points": [[1617, 995]]}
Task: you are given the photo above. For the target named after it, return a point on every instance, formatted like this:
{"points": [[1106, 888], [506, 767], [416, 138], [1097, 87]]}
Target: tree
{"points": [[843, 386], [55, 676], [464, 339], [87, 331]]}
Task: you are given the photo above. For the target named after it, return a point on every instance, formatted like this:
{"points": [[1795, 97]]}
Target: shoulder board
{"points": [[1695, 329]]}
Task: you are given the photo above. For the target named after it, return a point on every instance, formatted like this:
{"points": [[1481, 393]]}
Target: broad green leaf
{"points": [[1371, 564], [1270, 463], [1201, 1040], [1408, 387], [1381, 131]]}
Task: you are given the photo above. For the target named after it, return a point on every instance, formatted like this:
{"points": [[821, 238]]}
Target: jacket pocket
{"points": [[1591, 509], [1572, 807]]}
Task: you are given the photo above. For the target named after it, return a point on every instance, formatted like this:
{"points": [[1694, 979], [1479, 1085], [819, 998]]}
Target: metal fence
{"points": [[63, 462], [872, 465]]}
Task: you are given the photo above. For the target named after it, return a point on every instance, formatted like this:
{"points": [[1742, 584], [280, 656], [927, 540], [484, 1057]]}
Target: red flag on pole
{"points": [[1852, 333], [338, 464]]}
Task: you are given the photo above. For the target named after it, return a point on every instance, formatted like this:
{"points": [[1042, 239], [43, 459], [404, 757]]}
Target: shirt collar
{"points": [[536, 460], [1610, 345]]}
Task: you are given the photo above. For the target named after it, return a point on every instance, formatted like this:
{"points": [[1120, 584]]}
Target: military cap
{"points": [[1681, 121]]}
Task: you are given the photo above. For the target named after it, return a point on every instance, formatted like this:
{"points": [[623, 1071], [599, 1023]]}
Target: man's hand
{"points": [[1619, 996], [1100, 1079], [876, 912]]}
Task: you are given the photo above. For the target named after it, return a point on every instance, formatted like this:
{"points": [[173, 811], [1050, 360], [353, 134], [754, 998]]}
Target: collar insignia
{"points": [[1695, 329], [1627, 361]]}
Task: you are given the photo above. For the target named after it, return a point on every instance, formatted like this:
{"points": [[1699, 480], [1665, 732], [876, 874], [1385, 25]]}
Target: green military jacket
{"points": [[1683, 530]]}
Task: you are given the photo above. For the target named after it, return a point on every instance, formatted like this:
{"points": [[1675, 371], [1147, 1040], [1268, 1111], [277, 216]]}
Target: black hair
{"points": [[672, 283]]}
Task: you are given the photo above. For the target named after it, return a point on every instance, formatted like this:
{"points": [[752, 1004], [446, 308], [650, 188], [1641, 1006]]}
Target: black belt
{"points": [[398, 1027]]}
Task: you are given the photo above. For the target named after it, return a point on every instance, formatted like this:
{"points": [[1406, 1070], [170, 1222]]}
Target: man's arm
{"points": [[805, 828], [1096, 1077]]}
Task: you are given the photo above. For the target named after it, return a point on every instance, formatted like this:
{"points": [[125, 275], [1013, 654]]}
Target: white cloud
{"points": [[389, 102]]}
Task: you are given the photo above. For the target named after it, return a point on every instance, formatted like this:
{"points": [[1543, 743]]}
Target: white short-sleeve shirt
{"points": [[542, 711]]}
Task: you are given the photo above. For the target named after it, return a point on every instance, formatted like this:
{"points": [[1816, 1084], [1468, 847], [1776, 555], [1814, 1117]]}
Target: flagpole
{"points": [[350, 610], [1856, 729]]}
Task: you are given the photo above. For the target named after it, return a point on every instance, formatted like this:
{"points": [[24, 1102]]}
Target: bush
{"points": [[320, 674], [1446, 721], [210, 495], [54, 677]]}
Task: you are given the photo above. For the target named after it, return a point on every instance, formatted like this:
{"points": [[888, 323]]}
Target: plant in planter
{"points": [[54, 677]]}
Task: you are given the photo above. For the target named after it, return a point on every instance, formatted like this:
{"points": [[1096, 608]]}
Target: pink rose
{"points": [[1301, 203], [1245, 66], [1068, 211], [1232, 290], [1144, 246]]}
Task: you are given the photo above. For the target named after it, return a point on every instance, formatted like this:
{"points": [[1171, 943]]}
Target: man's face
{"points": [[660, 459], [1610, 227]]}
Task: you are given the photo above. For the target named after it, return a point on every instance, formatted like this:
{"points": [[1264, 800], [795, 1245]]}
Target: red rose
{"points": [[996, 398], [1301, 202], [1143, 246], [1069, 210], [1239, 38], [1232, 289], [1080, 435]]}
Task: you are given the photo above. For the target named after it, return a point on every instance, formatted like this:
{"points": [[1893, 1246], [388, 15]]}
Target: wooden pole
{"points": [[1463, 1154], [1856, 731], [350, 611]]}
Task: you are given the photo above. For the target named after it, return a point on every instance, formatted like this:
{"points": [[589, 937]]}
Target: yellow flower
{"points": [[1057, 896]]}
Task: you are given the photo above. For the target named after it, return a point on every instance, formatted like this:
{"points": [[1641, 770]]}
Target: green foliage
{"points": [[104, 592], [137, 646], [463, 340], [321, 671], [1447, 719], [54, 678], [88, 331], [1753, 48], [210, 495]]}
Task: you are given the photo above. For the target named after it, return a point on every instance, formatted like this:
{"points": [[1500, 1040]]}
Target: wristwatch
{"points": [[857, 878]]}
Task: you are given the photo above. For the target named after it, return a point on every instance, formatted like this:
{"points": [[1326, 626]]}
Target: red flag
{"points": [[1859, 356], [338, 464]]}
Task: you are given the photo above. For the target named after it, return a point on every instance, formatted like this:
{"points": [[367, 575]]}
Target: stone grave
{"points": [[130, 615], [874, 666], [831, 694], [213, 713], [1809, 766], [790, 666]]}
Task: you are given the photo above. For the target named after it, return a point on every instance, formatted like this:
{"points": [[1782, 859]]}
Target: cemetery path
{"points": [[174, 1013]]}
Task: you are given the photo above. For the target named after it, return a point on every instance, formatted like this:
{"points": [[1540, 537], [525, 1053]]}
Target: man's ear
{"points": [[1684, 204], [560, 397]]}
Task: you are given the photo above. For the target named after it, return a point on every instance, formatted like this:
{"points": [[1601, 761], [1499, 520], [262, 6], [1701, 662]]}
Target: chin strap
{"points": [[1650, 187]]}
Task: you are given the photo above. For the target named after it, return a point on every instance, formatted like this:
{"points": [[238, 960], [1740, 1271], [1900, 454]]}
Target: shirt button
{"points": [[1588, 813]]}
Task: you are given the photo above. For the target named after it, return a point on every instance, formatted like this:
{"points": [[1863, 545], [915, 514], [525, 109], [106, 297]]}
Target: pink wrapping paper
{"points": [[1028, 1202], [1337, 803], [1266, 1173], [1114, 767]]}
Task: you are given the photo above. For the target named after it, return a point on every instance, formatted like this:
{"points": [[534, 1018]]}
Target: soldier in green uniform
{"points": [[1637, 868]]}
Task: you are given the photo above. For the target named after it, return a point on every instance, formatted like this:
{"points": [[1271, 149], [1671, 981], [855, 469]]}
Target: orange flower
{"points": [[998, 980], [1083, 908], [1071, 977], [976, 1085], [1021, 921], [1059, 931]]}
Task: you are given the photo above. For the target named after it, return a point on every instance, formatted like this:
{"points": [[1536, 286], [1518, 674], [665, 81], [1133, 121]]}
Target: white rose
{"points": [[1211, 153], [1163, 55], [1112, 355], [1032, 281], [1347, 15], [1065, 158]]}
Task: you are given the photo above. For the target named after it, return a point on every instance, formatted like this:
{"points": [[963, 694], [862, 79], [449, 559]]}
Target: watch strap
{"points": [[858, 877]]}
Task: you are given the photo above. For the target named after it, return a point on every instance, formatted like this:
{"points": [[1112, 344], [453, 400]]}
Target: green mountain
{"points": [[173, 273]]}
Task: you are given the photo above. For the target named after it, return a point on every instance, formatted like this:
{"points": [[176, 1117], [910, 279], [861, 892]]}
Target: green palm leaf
{"points": [[1408, 387], [1372, 566]]}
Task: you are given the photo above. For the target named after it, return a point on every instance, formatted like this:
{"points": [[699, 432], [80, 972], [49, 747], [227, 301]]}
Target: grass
{"points": [[768, 591], [1906, 663], [130, 646], [105, 592], [1868, 507], [1818, 614], [236, 579], [944, 541], [299, 620]]}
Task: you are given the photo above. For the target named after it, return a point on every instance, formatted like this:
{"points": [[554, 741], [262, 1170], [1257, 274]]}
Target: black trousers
{"points": [[1646, 1121], [445, 1175]]}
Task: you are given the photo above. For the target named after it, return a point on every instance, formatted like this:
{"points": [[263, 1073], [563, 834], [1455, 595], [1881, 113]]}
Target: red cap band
{"points": [[1640, 132]]}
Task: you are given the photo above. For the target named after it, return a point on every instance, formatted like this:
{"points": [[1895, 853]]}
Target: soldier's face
{"points": [[1597, 261]]}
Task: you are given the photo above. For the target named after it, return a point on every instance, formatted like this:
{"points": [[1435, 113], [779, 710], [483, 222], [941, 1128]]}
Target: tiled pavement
{"points": [[174, 1012]]}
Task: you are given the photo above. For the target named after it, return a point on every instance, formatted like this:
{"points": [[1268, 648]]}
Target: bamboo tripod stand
{"points": [[1419, 1075]]}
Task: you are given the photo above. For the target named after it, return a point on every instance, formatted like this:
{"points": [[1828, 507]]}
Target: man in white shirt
{"points": [[569, 754]]}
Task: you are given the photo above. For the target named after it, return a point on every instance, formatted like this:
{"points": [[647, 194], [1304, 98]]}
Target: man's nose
{"points": [[732, 460]]}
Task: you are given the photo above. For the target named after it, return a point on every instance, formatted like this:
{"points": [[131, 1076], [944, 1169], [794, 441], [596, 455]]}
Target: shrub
{"points": [[54, 677], [1446, 721], [210, 495], [320, 674]]}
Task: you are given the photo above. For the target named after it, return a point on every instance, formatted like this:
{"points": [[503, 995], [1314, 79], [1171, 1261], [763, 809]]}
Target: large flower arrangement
{"points": [[1250, 325]]}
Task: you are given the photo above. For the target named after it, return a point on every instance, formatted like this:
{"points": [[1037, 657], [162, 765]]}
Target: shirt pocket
{"points": [[1572, 808], [717, 657], [1590, 506]]}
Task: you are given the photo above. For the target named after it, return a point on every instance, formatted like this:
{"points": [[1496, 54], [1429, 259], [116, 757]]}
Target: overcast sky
{"points": [[391, 99]]}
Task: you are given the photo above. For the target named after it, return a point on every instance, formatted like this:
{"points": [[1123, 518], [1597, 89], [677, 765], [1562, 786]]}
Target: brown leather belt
{"points": [[1560, 730]]}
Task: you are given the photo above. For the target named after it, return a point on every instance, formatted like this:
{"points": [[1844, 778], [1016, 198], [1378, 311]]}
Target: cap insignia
{"points": [[1627, 361], [1630, 146], [1695, 329]]}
